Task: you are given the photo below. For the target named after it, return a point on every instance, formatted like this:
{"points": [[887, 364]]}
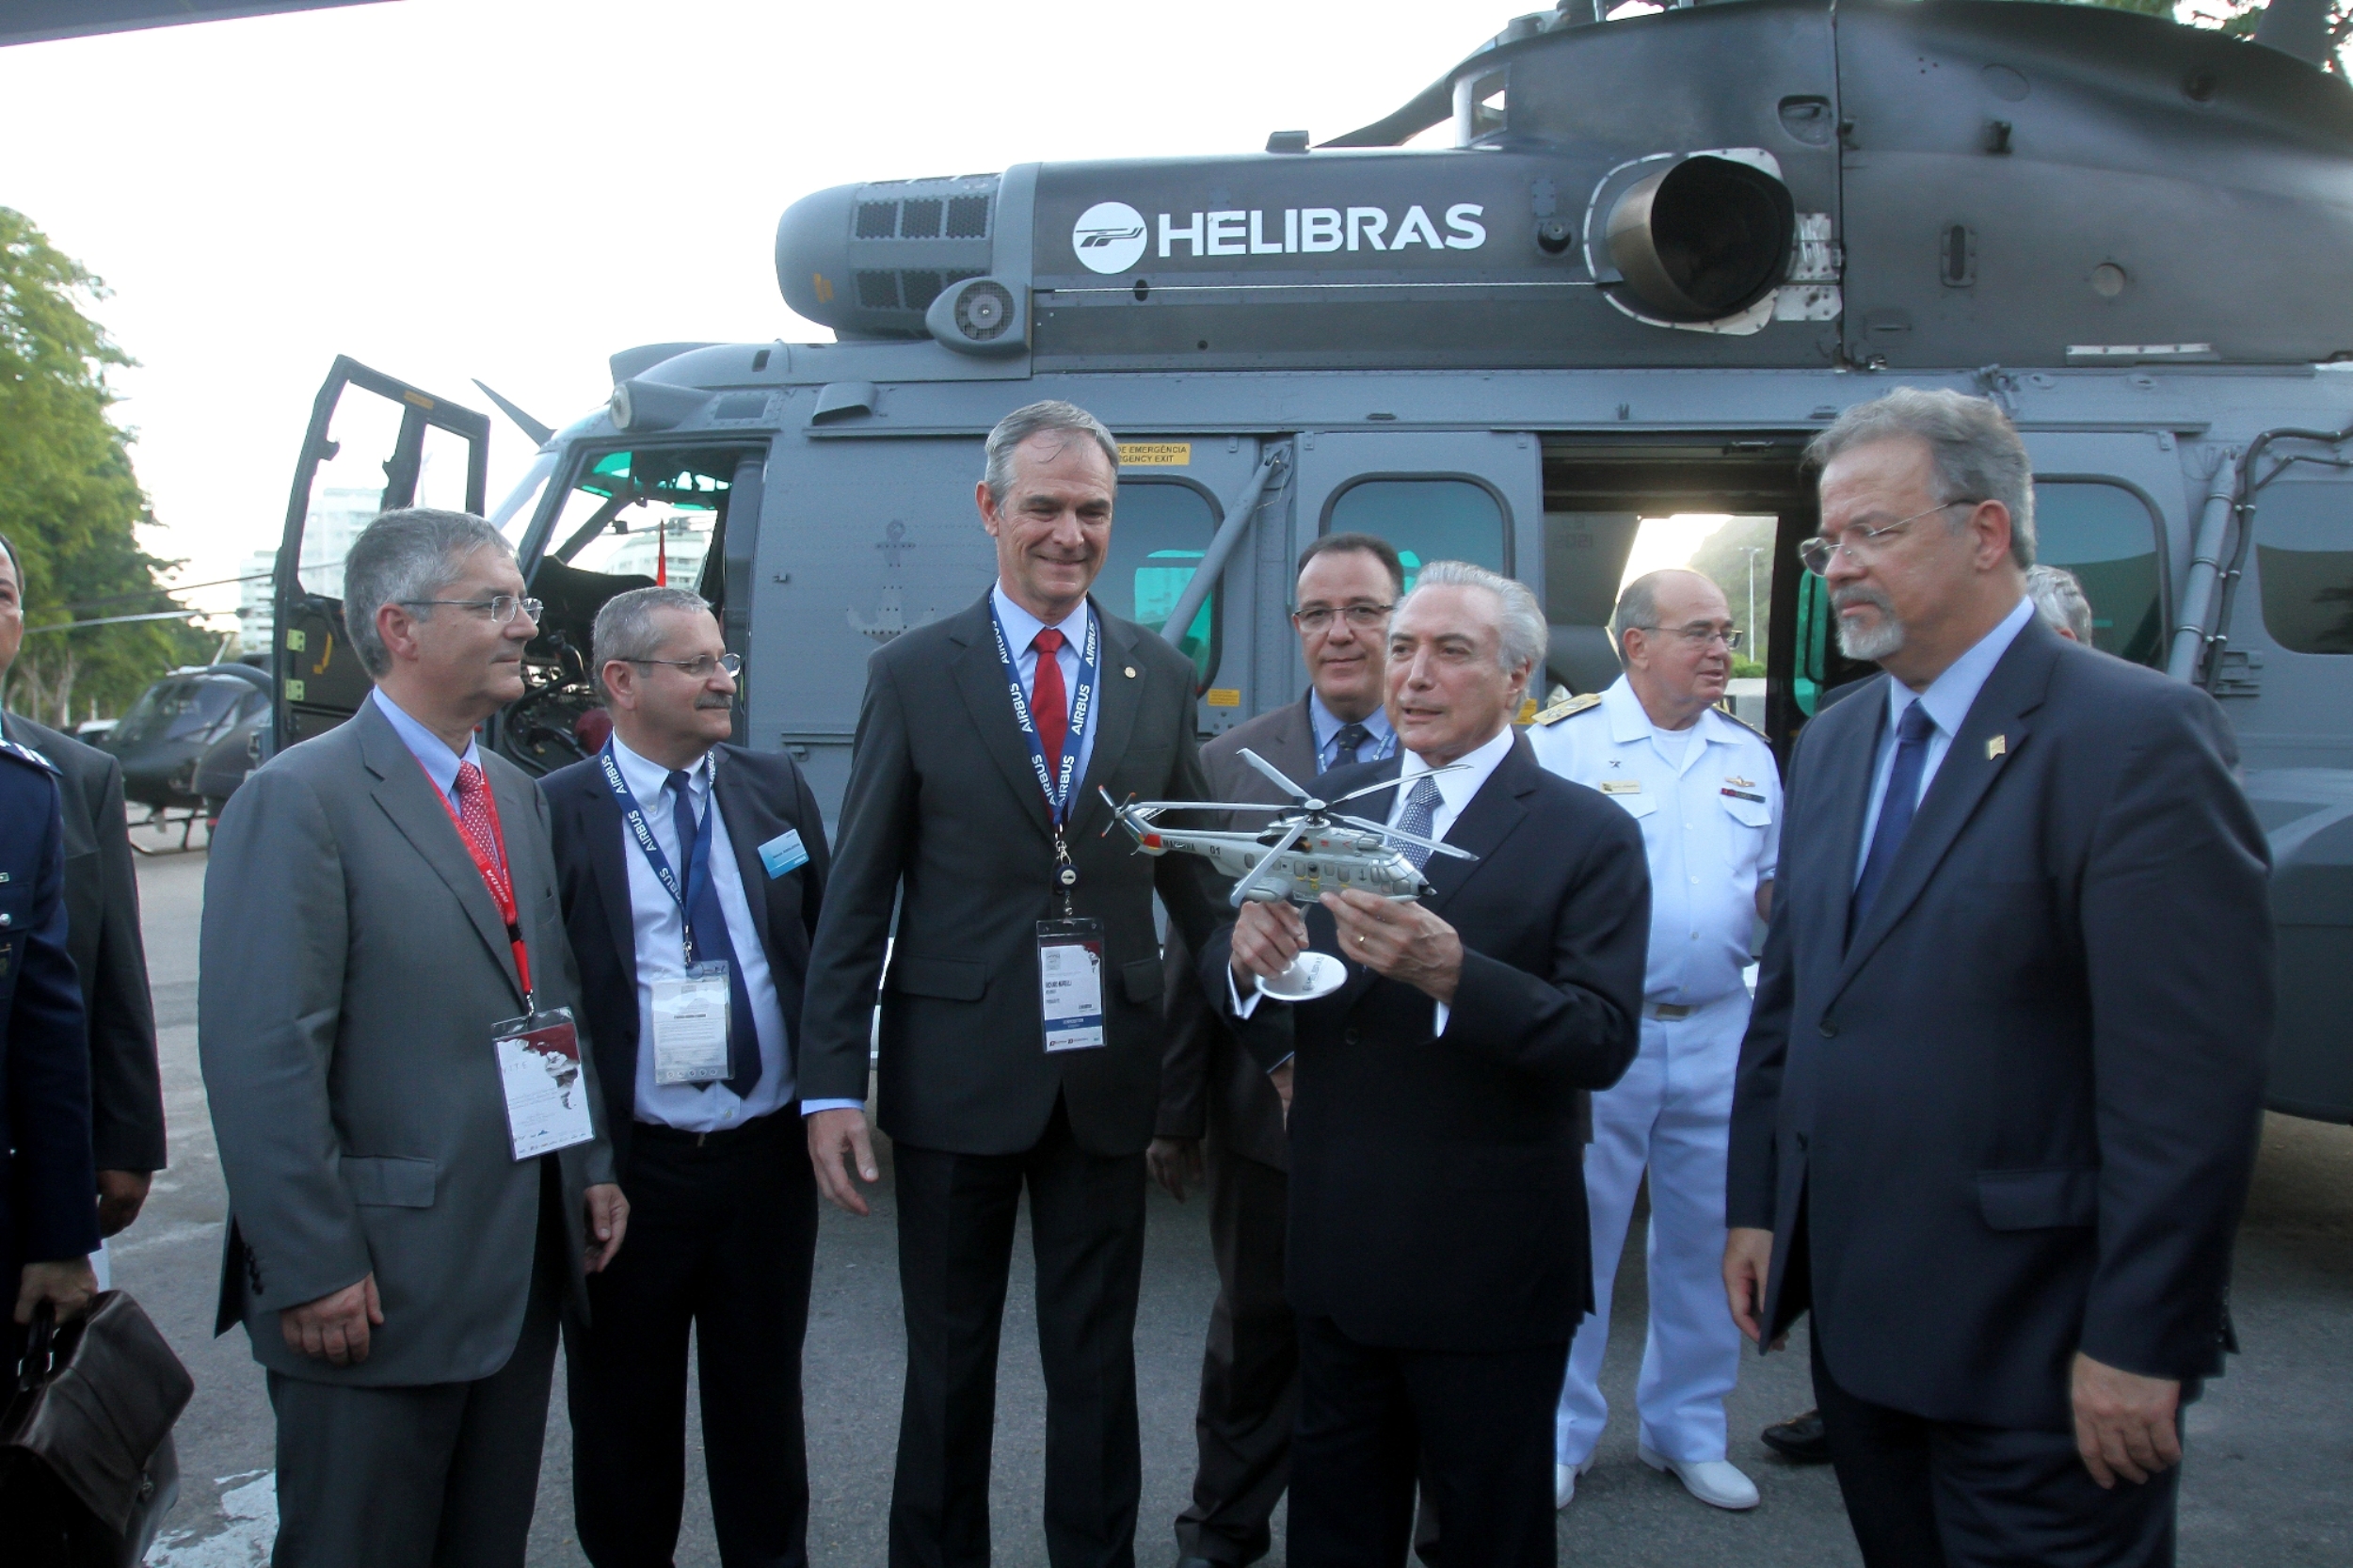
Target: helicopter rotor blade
{"points": [[1241, 889], [1392, 783], [1204, 806], [1435, 845], [1274, 775]]}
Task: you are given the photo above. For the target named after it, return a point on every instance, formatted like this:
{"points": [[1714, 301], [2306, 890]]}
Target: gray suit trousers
{"points": [[442, 1475]]}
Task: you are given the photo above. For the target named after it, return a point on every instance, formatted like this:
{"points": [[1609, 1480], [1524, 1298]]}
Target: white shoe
{"points": [[1564, 1480], [1716, 1483]]}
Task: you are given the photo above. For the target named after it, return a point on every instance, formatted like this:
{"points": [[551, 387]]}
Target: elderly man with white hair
{"points": [[1438, 1259]]}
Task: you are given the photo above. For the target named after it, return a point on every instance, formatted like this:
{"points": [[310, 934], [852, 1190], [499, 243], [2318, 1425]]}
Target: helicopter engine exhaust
{"points": [[1704, 238]]}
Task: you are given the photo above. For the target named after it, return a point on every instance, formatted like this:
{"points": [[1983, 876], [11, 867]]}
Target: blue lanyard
{"points": [[697, 852], [1056, 780]]}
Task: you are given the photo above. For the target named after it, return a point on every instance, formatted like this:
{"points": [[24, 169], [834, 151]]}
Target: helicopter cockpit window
{"points": [[1427, 520], [350, 490], [1159, 532], [631, 518], [2106, 537], [2304, 557]]}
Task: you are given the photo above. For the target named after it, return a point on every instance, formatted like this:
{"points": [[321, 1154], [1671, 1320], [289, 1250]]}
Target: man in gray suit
{"points": [[101, 907], [381, 906], [1348, 584]]}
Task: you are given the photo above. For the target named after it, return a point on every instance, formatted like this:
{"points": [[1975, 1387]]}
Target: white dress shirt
{"points": [[659, 930], [1947, 700]]}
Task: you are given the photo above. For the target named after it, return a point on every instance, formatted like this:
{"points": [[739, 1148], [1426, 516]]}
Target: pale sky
{"points": [[514, 190]]}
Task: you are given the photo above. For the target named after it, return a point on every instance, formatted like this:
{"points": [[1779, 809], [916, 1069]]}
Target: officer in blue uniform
{"points": [[1704, 787], [48, 1219]]}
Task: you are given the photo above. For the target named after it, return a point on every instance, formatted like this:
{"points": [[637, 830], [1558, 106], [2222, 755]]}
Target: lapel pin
{"points": [[1131, 672], [1997, 746]]}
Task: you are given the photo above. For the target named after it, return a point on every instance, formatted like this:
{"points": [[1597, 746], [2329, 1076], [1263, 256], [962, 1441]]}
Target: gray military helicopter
{"points": [[1307, 850], [1660, 253]]}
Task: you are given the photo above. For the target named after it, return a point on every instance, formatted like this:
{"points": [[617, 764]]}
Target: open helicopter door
{"points": [[373, 444]]}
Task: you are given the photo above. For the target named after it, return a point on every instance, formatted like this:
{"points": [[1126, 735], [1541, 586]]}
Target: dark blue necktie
{"points": [[711, 942], [1348, 744], [1895, 809], [1422, 810]]}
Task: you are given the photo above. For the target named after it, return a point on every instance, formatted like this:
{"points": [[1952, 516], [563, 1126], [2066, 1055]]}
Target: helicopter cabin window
{"points": [[1161, 530], [2107, 536], [2303, 531], [348, 490], [1427, 520]]}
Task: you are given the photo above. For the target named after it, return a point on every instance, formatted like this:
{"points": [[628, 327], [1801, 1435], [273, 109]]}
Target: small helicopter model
{"points": [[1307, 850]]}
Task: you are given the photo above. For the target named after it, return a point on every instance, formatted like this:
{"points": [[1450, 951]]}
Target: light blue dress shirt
{"points": [[432, 753], [1328, 725], [658, 929], [1021, 629], [1947, 700]]}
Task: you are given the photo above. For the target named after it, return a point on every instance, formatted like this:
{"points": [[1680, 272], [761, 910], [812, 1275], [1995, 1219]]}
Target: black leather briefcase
{"points": [[87, 1466]]}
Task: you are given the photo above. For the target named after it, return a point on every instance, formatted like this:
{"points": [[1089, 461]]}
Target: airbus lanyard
{"points": [[1055, 781], [499, 878], [697, 852]]}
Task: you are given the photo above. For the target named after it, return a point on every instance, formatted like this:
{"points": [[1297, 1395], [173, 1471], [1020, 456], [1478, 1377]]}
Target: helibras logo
{"points": [[1112, 236]]}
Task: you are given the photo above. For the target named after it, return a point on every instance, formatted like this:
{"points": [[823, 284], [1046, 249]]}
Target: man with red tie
{"points": [[1020, 1046]]}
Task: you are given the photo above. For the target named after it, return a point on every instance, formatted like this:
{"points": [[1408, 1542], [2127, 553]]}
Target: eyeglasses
{"points": [[1861, 544], [502, 607], [701, 666], [1699, 633], [1364, 618]]}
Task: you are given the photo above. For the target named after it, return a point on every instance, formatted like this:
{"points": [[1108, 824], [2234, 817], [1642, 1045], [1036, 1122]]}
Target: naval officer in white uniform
{"points": [[1706, 791]]}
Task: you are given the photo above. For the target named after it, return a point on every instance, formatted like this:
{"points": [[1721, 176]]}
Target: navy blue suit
{"points": [[722, 1227], [1437, 1255], [48, 1210], [2015, 1116]]}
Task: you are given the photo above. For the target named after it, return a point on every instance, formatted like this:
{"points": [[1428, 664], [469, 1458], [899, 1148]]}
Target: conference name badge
{"points": [[690, 1025], [783, 854], [1070, 983], [547, 1089]]}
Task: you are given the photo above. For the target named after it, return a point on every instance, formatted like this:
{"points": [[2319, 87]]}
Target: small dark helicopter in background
{"points": [[165, 739]]}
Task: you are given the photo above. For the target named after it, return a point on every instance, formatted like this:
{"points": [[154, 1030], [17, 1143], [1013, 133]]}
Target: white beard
{"points": [[1876, 642]]}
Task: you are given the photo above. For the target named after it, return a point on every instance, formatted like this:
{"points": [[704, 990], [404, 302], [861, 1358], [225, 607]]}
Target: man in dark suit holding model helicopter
{"points": [[1437, 1253]]}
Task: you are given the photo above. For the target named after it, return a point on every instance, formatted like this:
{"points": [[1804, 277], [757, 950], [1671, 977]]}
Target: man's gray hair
{"points": [[2058, 599], [1039, 419], [1974, 448], [625, 627], [403, 558], [1522, 634]]}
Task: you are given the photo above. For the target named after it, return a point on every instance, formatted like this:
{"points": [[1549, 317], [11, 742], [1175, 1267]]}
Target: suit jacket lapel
{"points": [[2010, 692], [980, 678], [407, 796], [608, 863], [1293, 747], [744, 837], [1116, 702], [1845, 794]]}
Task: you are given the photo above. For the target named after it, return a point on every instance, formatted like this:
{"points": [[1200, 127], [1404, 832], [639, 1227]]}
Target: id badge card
{"points": [[1070, 983], [690, 1025], [547, 1092]]}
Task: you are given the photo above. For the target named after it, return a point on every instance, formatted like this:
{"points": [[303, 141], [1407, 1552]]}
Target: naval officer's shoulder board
{"points": [[26, 755], [1567, 708], [1723, 710]]}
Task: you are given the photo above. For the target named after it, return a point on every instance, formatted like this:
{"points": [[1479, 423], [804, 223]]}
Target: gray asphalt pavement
{"points": [[2270, 1450]]}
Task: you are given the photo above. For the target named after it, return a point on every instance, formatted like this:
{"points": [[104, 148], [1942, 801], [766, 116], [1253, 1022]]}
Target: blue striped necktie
{"points": [[1896, 811]]}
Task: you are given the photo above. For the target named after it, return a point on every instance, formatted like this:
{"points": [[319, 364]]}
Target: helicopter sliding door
{"points": [[374, 445]]}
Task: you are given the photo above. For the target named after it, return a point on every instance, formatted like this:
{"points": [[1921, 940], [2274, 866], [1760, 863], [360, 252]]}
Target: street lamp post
{"points": [[1752, 551]]}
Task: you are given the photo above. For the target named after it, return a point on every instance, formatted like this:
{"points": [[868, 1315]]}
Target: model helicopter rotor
{"points": [[1312, 849]]}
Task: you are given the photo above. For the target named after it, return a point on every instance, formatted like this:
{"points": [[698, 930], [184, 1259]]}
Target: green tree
{"points": [[68, 501], [1724, 558]]}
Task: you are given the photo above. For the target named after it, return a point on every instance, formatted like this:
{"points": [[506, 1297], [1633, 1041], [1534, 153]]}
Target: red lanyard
{"points": [[498, 878]]}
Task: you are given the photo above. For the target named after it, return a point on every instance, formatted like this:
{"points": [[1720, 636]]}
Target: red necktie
{"points": [[473, 812], [1050, 703]]}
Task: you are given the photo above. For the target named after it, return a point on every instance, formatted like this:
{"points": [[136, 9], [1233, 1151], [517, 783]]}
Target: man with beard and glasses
{"points": [[1998, 1104], [691, 873]]}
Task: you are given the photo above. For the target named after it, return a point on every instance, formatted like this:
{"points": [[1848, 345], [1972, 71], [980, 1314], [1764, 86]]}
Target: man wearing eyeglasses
{"points": [[418, 1176], [1211, 1087], [1997, 1106], [1706, 793], [691, 871]]}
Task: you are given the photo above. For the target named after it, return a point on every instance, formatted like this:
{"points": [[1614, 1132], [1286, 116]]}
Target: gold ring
{"points": [[1360, 941]]}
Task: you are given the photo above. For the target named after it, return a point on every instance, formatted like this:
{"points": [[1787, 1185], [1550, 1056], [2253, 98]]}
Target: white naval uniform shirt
{"points": [[1708, 800]]}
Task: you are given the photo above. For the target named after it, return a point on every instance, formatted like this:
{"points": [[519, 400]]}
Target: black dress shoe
{"points": [[1800, 1438]]}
